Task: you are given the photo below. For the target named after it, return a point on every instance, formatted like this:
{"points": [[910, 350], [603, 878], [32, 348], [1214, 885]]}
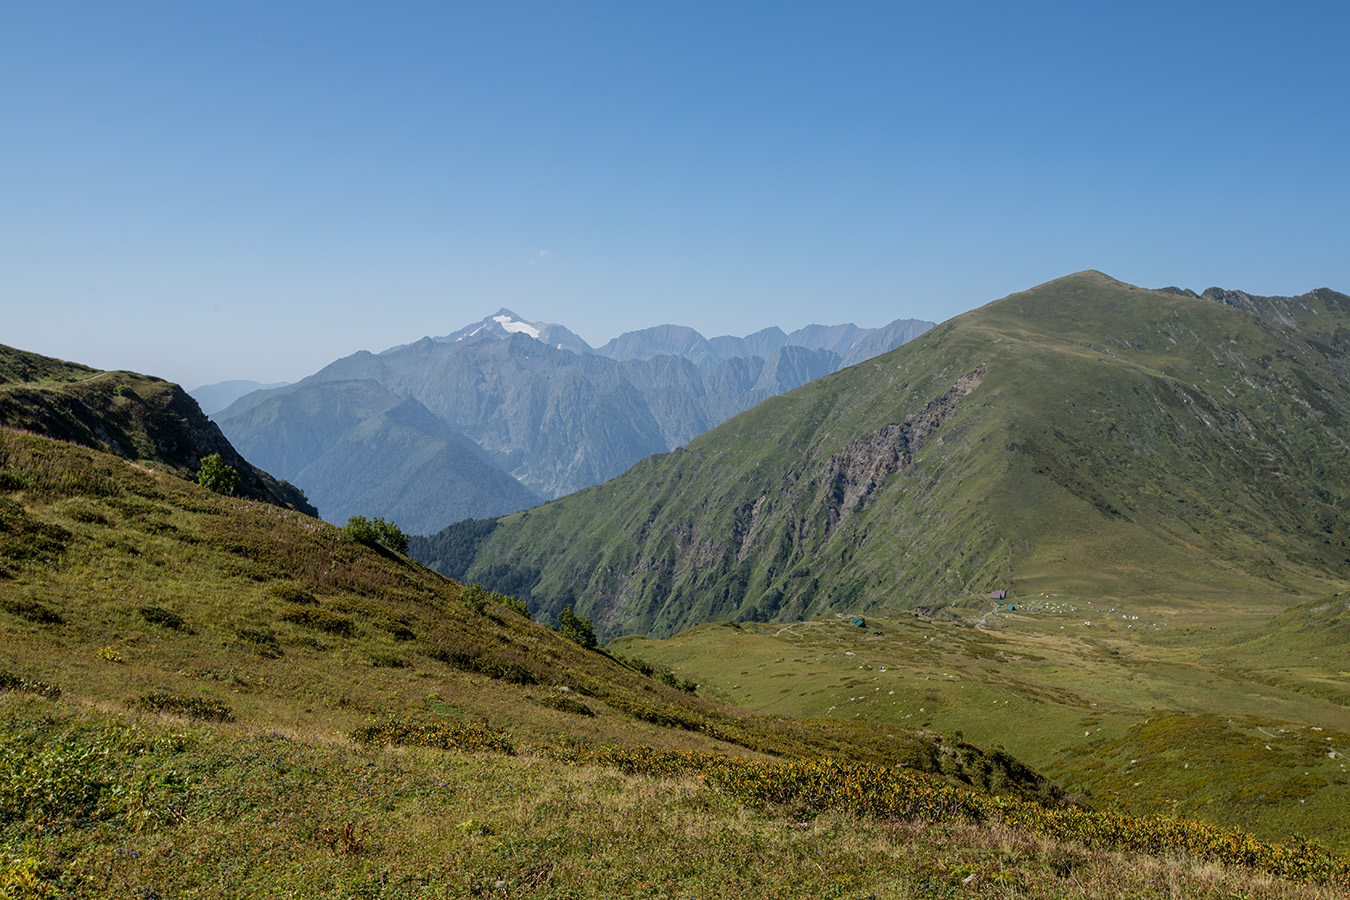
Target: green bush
{"points": [[192, 707], [469, 737], [478, 597], [566, 704], [377, 533], [156, 615], [11, 682], [31, 610], [519, 607], [292, 593], [321, 620], [475, 596], [263, 639], [467, 659], [217, 475], [575, 628]]}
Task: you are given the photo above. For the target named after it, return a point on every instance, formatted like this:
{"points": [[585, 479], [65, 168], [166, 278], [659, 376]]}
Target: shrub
{"points": [[191, 707], [668, 678], [156, 615], [11, 682], [445, 735], [31, 610], [321, 620], [519, 607], [575, 628], [475, 596], [566, 704], [217, 475], [489, 664], [293, 593], [264, 639], [635, 663], [377, 533]]}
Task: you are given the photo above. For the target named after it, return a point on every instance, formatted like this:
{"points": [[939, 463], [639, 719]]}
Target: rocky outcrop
{"points": [[855, 472]]}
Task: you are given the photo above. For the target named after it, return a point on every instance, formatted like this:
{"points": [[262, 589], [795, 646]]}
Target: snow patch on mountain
{"points": [[511, 324]]}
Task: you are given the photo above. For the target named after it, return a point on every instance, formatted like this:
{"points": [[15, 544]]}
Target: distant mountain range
{"points": [[504, 413], [1085, 435], [214, 397]]}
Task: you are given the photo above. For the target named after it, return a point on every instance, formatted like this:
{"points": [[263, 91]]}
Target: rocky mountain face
{"points": [[1083, 435], [139, 418], [545, 409]]}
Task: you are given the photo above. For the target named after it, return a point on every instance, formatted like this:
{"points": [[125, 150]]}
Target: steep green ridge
{"points": [[1084, 436], [137, 417]]}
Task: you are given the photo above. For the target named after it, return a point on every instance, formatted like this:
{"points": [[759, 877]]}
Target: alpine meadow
{"points": [[1051, 601]]}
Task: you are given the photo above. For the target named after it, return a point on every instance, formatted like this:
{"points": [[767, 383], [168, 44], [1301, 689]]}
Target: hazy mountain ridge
{"points": [[140, 418], [1135, 440], [212, 398], [549, 411], [358, 446]]}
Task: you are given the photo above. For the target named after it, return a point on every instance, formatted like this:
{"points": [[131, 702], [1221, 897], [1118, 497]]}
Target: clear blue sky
{"points": [[205, 191]]}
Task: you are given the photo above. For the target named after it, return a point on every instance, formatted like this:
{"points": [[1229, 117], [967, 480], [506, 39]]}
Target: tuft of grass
{"points": [[202, 708], [11, 682], [321, 620], [293, 593], [157, 615], [31, 610]]}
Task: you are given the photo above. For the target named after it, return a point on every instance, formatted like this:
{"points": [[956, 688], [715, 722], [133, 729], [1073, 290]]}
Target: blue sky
{"points": [[205, 191]]}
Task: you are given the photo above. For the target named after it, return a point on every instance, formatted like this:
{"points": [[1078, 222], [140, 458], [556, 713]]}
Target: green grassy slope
{"points": [[1183, 711], [193, 691], [140, 418], [1085, 436], [117, 584]]}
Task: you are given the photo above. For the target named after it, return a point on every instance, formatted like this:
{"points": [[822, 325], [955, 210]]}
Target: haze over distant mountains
{"points": [[505, 413], [214, 397]]}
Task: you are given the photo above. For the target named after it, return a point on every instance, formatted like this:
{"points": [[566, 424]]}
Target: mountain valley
{"points": [[1045, 602]]}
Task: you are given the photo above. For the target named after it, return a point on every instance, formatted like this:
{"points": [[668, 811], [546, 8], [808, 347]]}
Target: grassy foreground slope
{"points": [[196, 691], [1084, 436]]}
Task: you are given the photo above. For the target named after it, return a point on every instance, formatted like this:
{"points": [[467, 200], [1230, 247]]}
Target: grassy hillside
{"points": [[1084, 436], [1187, 711], [140, 418], [213, 697]]}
